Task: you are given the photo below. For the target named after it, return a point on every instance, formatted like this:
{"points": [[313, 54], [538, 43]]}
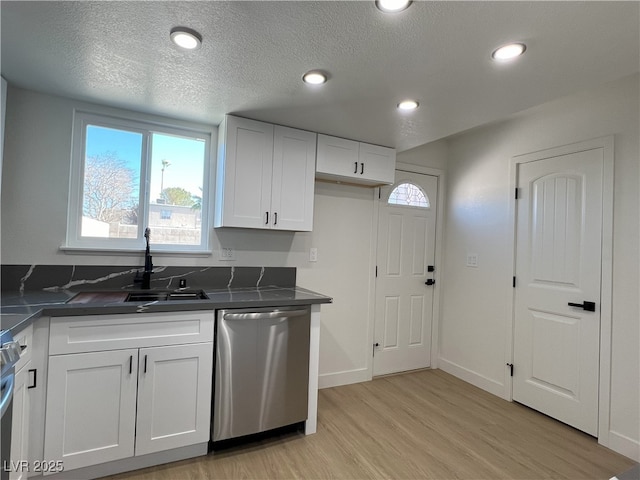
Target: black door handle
{"points": [[430, 281], [588, 306], [35, 372]]}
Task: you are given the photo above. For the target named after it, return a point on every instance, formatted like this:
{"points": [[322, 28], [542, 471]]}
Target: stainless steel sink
{"points": [[164, 296], [113, 297]]}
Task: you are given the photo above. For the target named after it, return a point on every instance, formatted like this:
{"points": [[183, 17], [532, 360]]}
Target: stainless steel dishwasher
{"points": [[261, 371]]}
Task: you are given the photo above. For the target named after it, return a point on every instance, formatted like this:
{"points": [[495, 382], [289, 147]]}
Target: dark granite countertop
{"points": [[19, 310]]}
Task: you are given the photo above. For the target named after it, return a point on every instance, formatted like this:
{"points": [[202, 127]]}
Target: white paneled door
{"points": [[558, 286], [405, 264]]}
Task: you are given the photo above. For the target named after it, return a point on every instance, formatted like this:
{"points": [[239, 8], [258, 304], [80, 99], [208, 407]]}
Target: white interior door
{"points": [[558, 270], [406, 249]]}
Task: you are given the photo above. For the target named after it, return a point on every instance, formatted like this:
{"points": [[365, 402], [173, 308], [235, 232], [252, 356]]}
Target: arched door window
{"points": [[410, 195]]}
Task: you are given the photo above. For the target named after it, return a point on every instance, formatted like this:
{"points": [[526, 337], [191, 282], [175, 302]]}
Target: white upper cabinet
{"points": [[377, 164], [265, 176], [354, 162]]}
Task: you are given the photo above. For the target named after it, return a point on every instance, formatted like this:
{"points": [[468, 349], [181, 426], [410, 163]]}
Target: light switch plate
{"points": [[313, 254], [472, 260]]}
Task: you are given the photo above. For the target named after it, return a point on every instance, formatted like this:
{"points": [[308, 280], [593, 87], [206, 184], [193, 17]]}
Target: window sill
{"points": [[156, 251]]}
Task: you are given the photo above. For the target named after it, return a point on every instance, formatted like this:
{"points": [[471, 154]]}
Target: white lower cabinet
{"points": [[110, 405], [20, 425], [174, 397], [91, 407], [24, 381]]}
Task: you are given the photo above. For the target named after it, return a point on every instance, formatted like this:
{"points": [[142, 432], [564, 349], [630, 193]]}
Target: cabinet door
{"points": [[245, 163], [354, 162], [294, 162], [377, 164], [174, 397], [337, 158], [91, 407], [20, 425]]}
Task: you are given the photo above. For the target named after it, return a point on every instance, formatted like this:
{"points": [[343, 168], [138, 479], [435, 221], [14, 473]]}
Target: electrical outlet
{"points": [[313, 254], [227, 253], [472, 260]]}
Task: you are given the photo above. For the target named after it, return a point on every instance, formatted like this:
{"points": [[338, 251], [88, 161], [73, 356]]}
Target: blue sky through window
{"points": [[186, 163], [127, 145], [185, 156]]}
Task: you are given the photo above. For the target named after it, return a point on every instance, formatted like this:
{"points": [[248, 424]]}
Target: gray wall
{"points": [[475, 317]]}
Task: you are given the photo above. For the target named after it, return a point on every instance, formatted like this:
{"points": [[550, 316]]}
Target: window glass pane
{"points": [[410, 195], [175, 201], [111, 184]]}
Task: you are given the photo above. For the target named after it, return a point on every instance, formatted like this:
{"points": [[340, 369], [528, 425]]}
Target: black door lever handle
{"points": [[430, 281], [588, 306]]}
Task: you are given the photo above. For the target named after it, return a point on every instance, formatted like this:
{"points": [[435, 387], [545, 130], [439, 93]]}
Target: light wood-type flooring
{"points": [[419, 425]]}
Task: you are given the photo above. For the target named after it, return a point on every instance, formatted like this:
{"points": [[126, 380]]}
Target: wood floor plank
{"points": [[418, 425]]}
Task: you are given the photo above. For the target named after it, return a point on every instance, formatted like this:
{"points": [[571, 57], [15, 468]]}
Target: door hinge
{"points": [[379, 193], [514, 282], [376, 271], [517, 195], [510, 365]]}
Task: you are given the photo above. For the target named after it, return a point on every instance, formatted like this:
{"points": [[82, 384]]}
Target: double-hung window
{"points": [[128, 175]]}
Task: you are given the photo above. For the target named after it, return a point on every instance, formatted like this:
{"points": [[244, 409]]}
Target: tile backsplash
{"points": [[92, 277]]}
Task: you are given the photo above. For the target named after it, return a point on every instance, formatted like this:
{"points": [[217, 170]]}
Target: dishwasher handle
{"points": [[266, 315]]}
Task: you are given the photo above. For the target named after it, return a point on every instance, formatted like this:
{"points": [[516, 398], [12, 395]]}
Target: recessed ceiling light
{"points": [[408, 105], [508, 52], [314, 77], [186, 38], [391, 6]]}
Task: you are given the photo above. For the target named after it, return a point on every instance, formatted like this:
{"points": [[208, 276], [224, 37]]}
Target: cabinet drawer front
{"points": [[111, 332]]}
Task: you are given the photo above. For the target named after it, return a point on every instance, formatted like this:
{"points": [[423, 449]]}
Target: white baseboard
{"points": [[474, 378], [337, 379], [623, 445]]}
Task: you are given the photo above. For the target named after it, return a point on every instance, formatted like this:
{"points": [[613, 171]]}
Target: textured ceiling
{"points": [[254, 54]]}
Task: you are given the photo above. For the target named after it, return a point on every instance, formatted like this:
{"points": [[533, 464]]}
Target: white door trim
{"points": [[607, 144], [435, 325]]}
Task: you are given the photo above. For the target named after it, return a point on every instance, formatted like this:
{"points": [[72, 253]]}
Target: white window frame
{"points": [[75, 242]]}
